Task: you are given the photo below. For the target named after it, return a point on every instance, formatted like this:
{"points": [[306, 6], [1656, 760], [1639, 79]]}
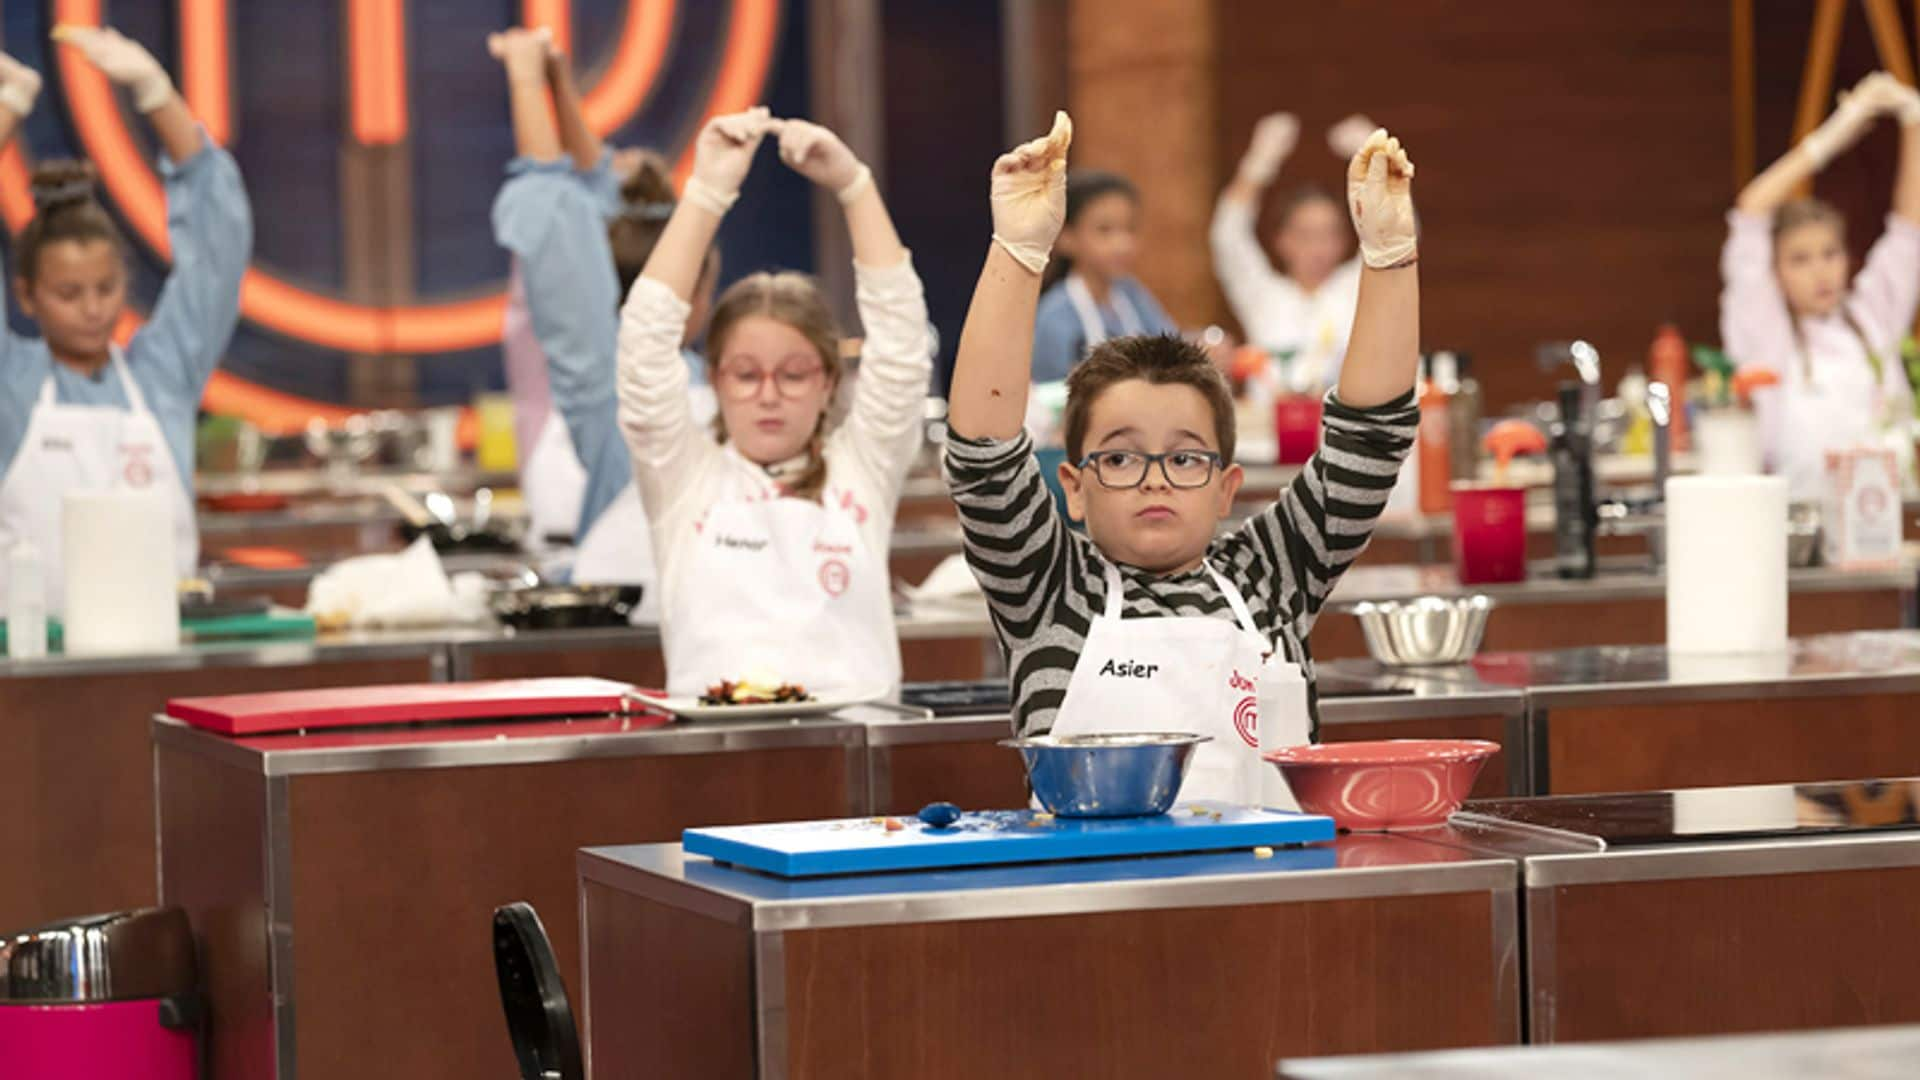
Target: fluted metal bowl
{"points": [[1110, 775], [1425, 630]]}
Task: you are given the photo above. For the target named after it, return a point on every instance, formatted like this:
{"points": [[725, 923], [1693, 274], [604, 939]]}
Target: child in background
{"points": [[76, 409], [1788, 308], [1089, 292], [1302, 312], [1149, 621], [579, 235]]}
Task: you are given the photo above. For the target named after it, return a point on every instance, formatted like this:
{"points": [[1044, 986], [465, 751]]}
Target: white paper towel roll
{"points": [[1726, 564], [122, 595]]}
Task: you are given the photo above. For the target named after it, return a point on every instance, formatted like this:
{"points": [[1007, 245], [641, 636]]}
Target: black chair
{"points": [[539, 1019]]}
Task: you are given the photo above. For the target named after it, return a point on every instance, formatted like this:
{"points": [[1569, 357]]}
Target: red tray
{"points": [[369, 706]]}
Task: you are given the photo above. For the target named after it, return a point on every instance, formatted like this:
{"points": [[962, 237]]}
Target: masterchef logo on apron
{"points": [[834, 573], [1246, 715], [138, 470], [834, 576]]}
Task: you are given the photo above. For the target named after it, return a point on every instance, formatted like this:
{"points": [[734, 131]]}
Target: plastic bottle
{"points": [[1434, 442], [26, 602], [1667, 363]]}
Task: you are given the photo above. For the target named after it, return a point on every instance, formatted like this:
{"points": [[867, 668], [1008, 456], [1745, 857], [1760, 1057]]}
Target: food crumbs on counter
{"points": [[1263, 853], [1041, 817], [894, 825], [1216, 815], [1198, 811]]}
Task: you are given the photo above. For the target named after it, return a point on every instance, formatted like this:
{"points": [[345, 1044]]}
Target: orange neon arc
{"points": [[377, 36], [374, 114], [205, 65], [555, 15]]}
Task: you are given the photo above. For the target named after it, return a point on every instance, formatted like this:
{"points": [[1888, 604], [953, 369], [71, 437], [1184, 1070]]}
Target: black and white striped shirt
{"points": [[1045, 582]]}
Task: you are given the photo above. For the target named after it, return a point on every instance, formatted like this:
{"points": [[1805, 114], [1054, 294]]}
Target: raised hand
{"points": [[1274, 137], [818, 154], [1888, 96], [1029, 195], [1348, 136], [524, 52], [19, 86], [1849, 120], [723, 155], [122, 60], [1380, 196]]}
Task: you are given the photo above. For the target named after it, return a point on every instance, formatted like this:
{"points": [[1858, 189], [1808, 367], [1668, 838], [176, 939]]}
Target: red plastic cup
{"points": [[1489, 534], [1296, 427]]}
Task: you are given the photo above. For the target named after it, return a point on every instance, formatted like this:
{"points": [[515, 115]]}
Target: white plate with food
{"points": [[759, 699]]}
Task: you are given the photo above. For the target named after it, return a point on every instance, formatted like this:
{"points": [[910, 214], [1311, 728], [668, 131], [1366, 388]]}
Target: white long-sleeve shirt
{"points": [[1274, 311], [682, 471], [1828, 398]]}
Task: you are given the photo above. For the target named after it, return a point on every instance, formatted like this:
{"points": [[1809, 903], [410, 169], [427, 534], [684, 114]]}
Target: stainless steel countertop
{"points": [[1618, 579], [517, 743], [327, 648], [1351, 867], [1859, 1053], [1860, 662]]}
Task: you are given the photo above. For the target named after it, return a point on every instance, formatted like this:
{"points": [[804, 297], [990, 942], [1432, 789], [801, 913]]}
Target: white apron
{"points": [[618, 550], [1088, 312], [552, 484], [1843, 405], [784, 589], [88, 447], [1195, 674]]}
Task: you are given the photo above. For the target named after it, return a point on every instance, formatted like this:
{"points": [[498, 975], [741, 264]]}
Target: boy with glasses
{"points": [[1151, 622]]}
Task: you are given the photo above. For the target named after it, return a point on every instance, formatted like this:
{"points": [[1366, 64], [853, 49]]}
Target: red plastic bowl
{"points": [[1389, 784]]}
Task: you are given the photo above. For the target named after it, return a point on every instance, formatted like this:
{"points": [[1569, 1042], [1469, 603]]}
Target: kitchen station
{"points": [[789, 539]]}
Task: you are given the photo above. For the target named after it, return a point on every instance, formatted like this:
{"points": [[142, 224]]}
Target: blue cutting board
{"points": [[866, 845]]}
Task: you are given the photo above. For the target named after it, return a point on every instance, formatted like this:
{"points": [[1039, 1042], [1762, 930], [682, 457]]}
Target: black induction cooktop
{"points": [[1640, 819]]}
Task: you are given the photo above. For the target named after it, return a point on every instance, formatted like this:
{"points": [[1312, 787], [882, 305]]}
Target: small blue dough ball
{"points": [[940, 814]]}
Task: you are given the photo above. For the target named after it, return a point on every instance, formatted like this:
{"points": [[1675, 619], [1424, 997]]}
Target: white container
{"points": [[1726, 564], [26, 602], [1860, 519], [1726, 442], [122, 590]]}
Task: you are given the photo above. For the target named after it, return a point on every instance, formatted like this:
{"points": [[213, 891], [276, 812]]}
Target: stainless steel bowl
{"points": [[1425, 630], [1130, 775]]}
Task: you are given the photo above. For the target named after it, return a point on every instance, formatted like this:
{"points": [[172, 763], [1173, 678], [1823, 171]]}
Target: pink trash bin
{"points": [[101, 997]]}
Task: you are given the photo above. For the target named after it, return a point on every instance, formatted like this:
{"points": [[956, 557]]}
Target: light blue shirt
{"points": [[553, 220], [210, 224], [1059, 341]]}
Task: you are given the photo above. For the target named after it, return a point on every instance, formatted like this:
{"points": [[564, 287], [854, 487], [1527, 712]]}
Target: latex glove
{"points": [[723, 155], [524, 52], [1906, 107], [1349, 135], [1380, 196], [19, 85], [820, 156], [1888, 96], [1274, 138], [1029, 195], [1849, 120], [123, 60]]}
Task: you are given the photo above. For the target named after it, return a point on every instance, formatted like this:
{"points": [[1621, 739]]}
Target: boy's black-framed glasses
{"points": [[1123, 469]]}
